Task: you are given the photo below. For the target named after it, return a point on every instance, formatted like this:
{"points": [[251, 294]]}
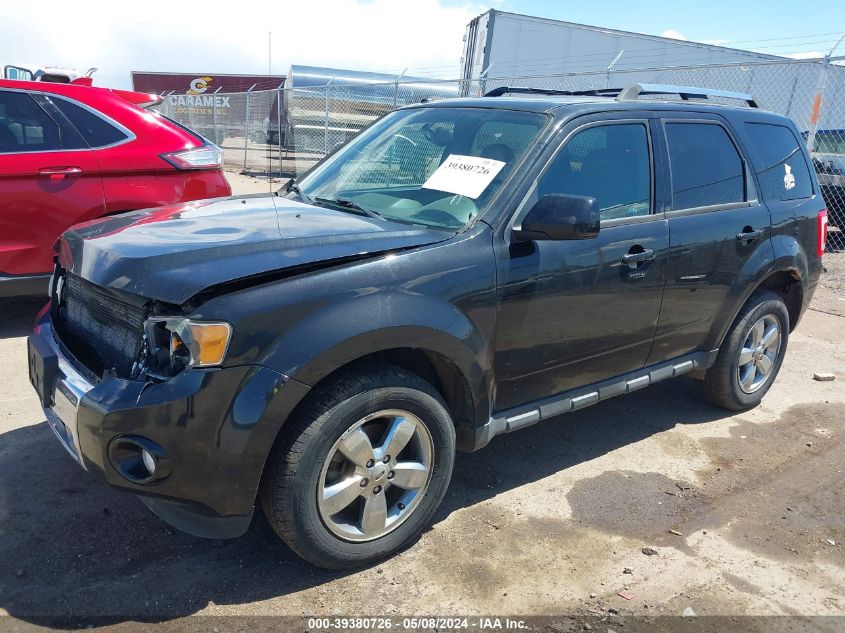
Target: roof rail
{"points": [[507, 90], [592, 92], [632, 93]]}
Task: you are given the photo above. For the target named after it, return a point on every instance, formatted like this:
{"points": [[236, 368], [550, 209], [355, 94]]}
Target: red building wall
{"points": [[202, 83]]}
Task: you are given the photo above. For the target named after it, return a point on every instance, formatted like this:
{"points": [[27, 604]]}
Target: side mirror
{"points": [[559, 216]]}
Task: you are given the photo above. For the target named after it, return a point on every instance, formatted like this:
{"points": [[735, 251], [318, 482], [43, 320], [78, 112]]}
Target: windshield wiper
{"points": [[292, 186], [345, 204]]}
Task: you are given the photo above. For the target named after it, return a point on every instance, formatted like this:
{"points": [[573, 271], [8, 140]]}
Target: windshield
{"points": [[830, 142], [433, 166]]}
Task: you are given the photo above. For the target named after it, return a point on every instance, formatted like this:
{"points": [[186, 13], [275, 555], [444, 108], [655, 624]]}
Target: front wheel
{"points": [[362, 468], [751, 355]]}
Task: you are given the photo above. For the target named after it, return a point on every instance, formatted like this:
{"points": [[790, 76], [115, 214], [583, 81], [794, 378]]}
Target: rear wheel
{"points": [[362, 469], [751, 355]]}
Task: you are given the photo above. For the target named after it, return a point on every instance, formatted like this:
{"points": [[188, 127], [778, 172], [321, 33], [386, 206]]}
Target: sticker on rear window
{"points": [[464, 175], [788, 178]]}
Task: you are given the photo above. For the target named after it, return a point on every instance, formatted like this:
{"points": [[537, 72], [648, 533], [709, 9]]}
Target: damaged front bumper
{"points": [[206, 432]]}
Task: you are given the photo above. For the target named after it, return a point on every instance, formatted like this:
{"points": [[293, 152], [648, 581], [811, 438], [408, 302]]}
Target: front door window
{"points": [[609, 163]]}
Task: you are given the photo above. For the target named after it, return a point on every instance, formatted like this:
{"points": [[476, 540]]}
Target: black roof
{"points": [[564, 106], [570, 103]]}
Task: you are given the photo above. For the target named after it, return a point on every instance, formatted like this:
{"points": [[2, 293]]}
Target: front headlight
{"points": [[177, 343], [200, 343]]}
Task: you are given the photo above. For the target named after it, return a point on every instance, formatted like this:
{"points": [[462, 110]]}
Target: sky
{"points": [[422, 36]]}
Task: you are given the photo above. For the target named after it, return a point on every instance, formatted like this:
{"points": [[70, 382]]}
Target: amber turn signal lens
{"points": [[210, 342]]}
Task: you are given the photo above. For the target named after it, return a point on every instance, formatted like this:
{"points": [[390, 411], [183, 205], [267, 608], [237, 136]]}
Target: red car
{"points": [[71, 153]]}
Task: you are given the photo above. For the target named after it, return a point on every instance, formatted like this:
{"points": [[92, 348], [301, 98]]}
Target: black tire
{"points": [[291, 480], [721, 384]]}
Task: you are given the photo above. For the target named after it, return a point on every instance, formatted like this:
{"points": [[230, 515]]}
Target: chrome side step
{"points": [[576, 399]]}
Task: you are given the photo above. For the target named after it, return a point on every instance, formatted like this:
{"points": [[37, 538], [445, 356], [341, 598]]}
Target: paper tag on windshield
{"points": [[464, 175]]}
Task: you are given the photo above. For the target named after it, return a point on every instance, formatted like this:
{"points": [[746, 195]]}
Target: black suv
{"points": [[460, 269]]}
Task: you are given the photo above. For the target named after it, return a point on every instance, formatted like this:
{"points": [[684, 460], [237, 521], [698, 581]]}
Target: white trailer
{"points": [[501, 45]]}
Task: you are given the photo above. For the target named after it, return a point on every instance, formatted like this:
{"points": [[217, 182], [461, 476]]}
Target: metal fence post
{"points": [[482, 79], [279, 95], [326, 119], [791, 96], [216, 136], [610, 68], [246, 126], [396, 88]]}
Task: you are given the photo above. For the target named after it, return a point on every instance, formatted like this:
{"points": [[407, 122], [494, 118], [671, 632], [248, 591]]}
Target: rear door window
{"points": [[96, 131], [25, 126], [706, 167], [781, 167]]}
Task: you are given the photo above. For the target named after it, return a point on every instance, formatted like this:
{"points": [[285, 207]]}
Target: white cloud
{"points": [[677, 35], [805, 55], [226, 37], [674, 35]]}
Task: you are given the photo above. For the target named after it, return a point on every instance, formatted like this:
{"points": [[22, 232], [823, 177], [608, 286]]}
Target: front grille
{"points": [[95, 320]]}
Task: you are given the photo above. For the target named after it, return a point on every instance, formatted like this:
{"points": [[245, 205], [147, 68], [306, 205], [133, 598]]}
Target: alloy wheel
{"points": [[758, 354], [375, 475]]}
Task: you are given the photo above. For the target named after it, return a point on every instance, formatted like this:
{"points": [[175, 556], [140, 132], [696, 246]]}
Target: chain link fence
{"points": [[245, 125], [283, 133]]}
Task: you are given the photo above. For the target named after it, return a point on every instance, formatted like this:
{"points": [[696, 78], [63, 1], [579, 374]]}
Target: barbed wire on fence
{"points": [[284, 132]]}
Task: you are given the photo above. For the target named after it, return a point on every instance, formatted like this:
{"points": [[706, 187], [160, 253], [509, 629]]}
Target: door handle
{"points": [[58, 173], [645, 255], [748, 235]]}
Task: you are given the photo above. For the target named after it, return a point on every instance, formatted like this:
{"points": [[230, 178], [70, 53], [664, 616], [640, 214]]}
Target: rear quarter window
{"points": [[781, 166], [96, 131]]}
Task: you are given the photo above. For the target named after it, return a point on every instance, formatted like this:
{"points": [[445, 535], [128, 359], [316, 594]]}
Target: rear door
{"points": [[129, 168], [786, 184], [719, 230], [49, 180], [574, 312]]}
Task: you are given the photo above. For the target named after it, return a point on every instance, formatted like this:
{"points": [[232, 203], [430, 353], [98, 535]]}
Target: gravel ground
{"points": [[243, 183], [744, 513]]}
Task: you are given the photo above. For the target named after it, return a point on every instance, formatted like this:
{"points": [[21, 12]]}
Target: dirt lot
{"points": [[745, 513]]}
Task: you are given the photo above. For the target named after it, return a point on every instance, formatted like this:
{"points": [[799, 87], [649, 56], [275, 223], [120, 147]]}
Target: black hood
{"points": [[172, 253]]}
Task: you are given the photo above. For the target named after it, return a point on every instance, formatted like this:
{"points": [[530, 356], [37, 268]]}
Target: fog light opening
{"points": [[139, 459], [149, 461]]}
